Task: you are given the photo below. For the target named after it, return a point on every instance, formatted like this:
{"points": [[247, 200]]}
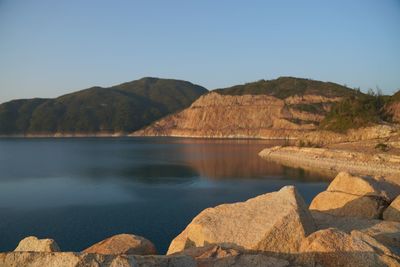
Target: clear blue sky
{"points": [[48, 47]]}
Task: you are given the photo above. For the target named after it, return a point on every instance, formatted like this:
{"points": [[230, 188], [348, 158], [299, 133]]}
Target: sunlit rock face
{"points": [[332, 247], [32, 243], [253, 116], [342, 204], [364, 186], [355, 196], [273, 222], [392, 213], [386, 232], [123, 244], [392, 108]]}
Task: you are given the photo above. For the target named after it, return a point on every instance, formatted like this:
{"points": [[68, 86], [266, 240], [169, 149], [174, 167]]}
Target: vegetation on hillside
{"points": [[355, 111], [15, 115], [123, 108], [396, 97], [314, 108], [284, 87], [130, 106]]}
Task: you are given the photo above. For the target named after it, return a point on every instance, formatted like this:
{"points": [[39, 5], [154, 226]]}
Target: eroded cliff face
{"points": [[384, 133], [251, 116], [393, 110]]}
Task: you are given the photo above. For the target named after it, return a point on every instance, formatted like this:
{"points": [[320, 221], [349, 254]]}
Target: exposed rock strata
{"points": [[392, 108], [252, 116], [123, 244], [274, 222], [323, 137]]}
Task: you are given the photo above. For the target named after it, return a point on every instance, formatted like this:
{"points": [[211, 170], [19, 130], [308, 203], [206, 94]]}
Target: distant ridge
{"points": [[284, 87], [117, 109], [280, 108]]}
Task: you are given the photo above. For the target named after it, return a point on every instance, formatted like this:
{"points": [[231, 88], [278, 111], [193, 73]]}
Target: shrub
{"points": [[382, 147], [354, 112]]}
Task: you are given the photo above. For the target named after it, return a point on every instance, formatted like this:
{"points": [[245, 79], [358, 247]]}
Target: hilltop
{"points": [[284, 87], [118, 109], [282, 108]]}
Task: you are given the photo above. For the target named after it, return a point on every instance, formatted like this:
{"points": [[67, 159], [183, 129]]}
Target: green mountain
{"points": [[122, 108], [284, 87]]}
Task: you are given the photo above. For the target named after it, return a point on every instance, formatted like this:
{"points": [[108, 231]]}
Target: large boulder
{"points": [[32, 243], [392, 213], [332, 247], [273, 222], [356, 196], [343, 204], [123, 244], [386, 232], [364, 186], [71, 259]]}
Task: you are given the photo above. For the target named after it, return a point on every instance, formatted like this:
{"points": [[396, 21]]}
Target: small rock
{"points": [[274, 222], [32, 243], [123, 244], [392, 213]]}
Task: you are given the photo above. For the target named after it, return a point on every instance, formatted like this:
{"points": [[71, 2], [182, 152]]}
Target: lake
{"points": [[82, 190]]}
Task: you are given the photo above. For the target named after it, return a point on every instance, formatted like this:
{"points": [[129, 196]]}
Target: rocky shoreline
{"points": [[355, 222], [331, 161]]}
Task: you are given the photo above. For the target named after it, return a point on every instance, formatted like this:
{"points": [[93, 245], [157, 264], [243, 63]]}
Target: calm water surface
{"points": [[80, 191]]}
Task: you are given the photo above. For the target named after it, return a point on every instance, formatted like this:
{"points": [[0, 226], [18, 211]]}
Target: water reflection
{"points": [[140, 159], [238, 159], [79, 191], [160, 173]]}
